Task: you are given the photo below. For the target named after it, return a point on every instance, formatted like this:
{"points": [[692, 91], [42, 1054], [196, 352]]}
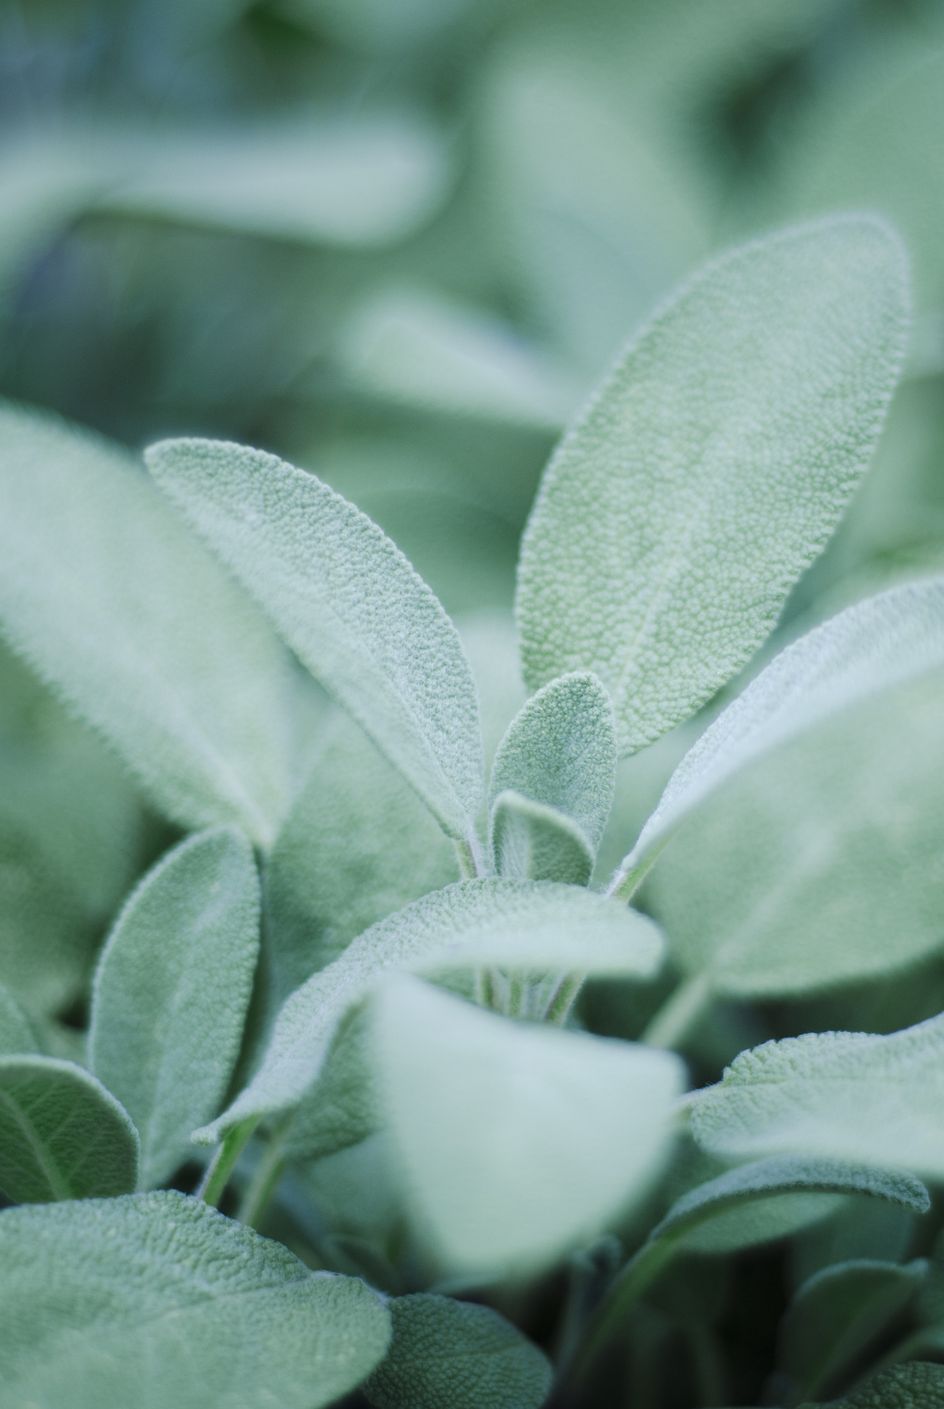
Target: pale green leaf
{"points": [[449, 1354], [350, 605], [519, 926], [517, 1141], [558, 754], [62, 1135], [16, 1033], [842, 1095], [172, 991], [711, 468], [914, 1386], [157, 1300], [127, 615]]}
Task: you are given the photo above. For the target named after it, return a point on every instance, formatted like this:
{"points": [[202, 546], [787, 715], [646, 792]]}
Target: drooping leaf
{"points": [[521, 926], [16, 1034], [842, 1095], [172, 990], [915, 1386], [156, 1299], [62, 1135], [559, 755], [350, 605], [710, 470], [516, 1140], [449, 1354], [186, 680]]}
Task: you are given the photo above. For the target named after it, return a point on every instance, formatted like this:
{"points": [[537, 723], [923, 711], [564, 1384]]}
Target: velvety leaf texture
{"points": [[350, 605], [125, 613], [523, 926], [454, 1355], [532, 840], [172, 990], [62, 1135], [915, 1386], [157, 1300], [516, 1141], [711, 468]]}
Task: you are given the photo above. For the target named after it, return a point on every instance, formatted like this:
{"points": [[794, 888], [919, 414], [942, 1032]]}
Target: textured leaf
{"points": [[187, 681], [710, 470], [915, 1386], [517, 1141], [845, 1095], [559, 754], [449, 1354], [157, 1300], [349, 604], [357, 845], [516, 925], [62, 1135], [172, 991], [16, 1034]]}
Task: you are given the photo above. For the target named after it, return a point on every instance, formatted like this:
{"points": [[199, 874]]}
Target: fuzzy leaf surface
{"points": [[711, 468], [16, 1033], [915, 1386]]}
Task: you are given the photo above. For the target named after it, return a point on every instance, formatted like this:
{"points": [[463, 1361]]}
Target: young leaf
{"points": [[914, 1386], [350, 605], [62, 1135], [449, 1354], [710, 470], [843, 1095], [172, 990], [157, 1300], [517, 1141], [516, 925], [16, 1034], [186, 680], [559, 756]]}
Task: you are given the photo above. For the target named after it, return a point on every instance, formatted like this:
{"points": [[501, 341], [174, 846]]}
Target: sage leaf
{"points": [[172, 990], [517, 1141], [710, 470], [349, 604], [914, 1386], [843, 1095], [187, 682], [156, 1299], [521, 926], [559, 756], [449, 1354], [16, 1033], [62, 1135]]}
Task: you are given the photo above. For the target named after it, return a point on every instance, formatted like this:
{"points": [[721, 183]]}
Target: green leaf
{"points": [[710, 470], [172, 991], [449, 1354], [557, 761], [16, 1033], [914, 1386], [842, 1095], [187, 682], [157, 1300], [517, 1141], [350, 605], [62, 1135], [521, 926], [357, 845], [837, 1314]]}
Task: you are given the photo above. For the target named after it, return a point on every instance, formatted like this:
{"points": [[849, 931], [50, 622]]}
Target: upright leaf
{"points": [[172, 990], [62, 1135], [157, 1300], [711, 468], [516, 1141], [351, 606], [118, 607]]}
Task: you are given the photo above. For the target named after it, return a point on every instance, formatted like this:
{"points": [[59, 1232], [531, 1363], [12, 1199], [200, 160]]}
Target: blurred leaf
{"points": [[16, 1033]]}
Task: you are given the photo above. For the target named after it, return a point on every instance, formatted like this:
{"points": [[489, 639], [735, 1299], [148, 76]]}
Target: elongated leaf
{"points": [[449, 1354], [710, 470], [62, 1135], [349, 604], [518, 926], [16, 1033], [517, 1141], [157, 1300], [560, 754], [846, 1095], [357, 845], [914, 1386], [118, 607], [172, 991]]}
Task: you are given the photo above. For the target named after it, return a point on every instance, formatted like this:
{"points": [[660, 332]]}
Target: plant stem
{"points": [[263, 1182], [563, 998], [469, 853], [223, 1162], [680, 1013], [628, 1287]]}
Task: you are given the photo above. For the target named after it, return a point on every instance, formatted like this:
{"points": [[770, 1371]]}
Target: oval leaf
{"points": [[710, 470], [530, 839]]}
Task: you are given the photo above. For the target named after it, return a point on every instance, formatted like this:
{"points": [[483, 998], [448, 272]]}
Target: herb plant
{"points": [[360, 1004]]}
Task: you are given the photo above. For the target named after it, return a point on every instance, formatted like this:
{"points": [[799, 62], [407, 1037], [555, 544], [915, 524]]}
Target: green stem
{"points": [[223, 1162], [563, 999], [680, 1013], [628, 1287], [471, 860], [262, 1185]]}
